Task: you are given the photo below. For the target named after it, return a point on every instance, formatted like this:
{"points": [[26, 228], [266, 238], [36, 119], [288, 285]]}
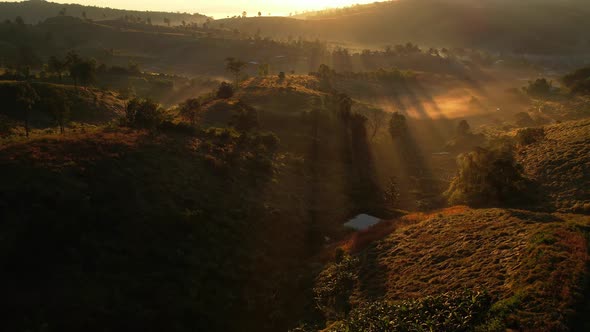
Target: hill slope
{"points": [[561, 164], [533, 265]]}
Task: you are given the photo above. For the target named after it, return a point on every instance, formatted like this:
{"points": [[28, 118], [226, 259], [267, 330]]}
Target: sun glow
{"points": [[223, 8]]}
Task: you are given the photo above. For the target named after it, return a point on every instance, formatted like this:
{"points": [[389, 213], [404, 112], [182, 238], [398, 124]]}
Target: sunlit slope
{"points": [[533, 265], [532, 25], [560, 163]]}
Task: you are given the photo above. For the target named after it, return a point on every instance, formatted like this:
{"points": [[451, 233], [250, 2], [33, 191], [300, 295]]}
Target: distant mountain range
{"points": [[527, 26], [35, 11]]}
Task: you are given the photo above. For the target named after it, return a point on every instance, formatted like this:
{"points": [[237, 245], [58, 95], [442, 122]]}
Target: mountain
{"points": [[530, 26], [35, 11]]}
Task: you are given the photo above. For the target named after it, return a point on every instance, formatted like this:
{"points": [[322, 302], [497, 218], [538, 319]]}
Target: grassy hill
{"points": [[35, 11], [87, 105], [560, 163], [532, 265]]}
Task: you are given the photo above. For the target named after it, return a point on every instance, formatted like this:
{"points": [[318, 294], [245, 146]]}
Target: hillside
{"points": [[560, 162], [86, 105], [36, 11], [442, 23], [532, 266]]}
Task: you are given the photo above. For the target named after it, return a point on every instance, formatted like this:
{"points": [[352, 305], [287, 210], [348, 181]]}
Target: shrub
{"points": [[578, 81], [456, 311], [335, 284], [529, 135], [225, 91]]}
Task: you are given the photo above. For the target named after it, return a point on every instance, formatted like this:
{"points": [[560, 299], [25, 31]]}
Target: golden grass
{"points": [[539, 258]]}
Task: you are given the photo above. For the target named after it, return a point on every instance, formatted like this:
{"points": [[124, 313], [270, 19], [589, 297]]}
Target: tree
{"points": [[225, 91], [463, 128], [56, 66], [376, 121], [244, 14], [245, 119], [189, 110], [398, 127], [167, 21], [539, 88], [83, 71], [27, 97], [263, 69], [143, 113], [235, 67], [84, 15], [259, 14], [344, 107], [59, 108], [488, 177]]}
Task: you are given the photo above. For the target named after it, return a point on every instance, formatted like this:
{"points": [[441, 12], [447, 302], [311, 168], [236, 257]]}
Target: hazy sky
{"points": [[220, 8]]}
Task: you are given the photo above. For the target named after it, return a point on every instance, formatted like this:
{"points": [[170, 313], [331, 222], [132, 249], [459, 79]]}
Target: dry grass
{"points": [[538, 259], [561, 164]]}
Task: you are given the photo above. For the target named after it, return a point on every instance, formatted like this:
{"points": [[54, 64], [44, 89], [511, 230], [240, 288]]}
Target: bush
{"points": [[529, 135], [488, 177], [578, 81], [143, 113], [457, 311], [225, 91], [335, 284], [539, 88]]}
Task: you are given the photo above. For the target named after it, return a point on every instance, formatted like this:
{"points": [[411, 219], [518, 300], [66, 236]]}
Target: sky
{"points": [[221, 8]]}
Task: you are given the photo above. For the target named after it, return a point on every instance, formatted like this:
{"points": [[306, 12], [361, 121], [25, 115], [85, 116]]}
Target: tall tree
{"points": [[189, 110], [235, 67], [59, 109], [398, 127], [56, 66], [27, 97]]}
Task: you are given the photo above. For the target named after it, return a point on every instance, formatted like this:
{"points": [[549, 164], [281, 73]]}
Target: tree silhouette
{"points": [[27, 97], [167, 21], [56, 66], [235, 67], [463, 128], [398, 127], [59, 109], [189, 110]]}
